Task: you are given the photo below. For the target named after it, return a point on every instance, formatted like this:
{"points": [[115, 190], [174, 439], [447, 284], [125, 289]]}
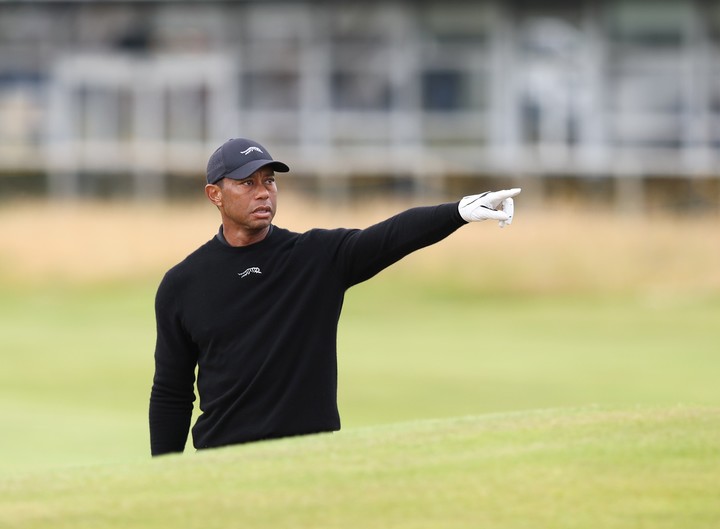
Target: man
{"points": [[256, 308]]}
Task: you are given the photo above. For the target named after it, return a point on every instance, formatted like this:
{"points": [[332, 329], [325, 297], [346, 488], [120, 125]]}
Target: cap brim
{"points": [[249, 168]]}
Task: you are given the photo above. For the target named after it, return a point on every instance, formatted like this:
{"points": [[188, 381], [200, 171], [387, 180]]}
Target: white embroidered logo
{"points": [[252, 270], [251, 149]]}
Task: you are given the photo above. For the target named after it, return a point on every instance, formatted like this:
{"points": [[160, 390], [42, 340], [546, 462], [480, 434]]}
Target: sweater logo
{"points": [[251, 270]]}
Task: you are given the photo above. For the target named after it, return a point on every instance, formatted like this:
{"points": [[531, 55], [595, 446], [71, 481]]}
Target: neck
{"points": [[244, 237]]}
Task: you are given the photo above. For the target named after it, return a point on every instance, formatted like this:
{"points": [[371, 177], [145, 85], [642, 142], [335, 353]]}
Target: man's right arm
{"points": [[172, 395]]}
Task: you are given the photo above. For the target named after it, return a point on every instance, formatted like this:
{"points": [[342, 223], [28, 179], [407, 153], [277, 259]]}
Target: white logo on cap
{"points": [[251, 149]]}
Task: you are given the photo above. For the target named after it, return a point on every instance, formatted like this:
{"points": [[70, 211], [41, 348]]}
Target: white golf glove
{"points": [[474, 208]]}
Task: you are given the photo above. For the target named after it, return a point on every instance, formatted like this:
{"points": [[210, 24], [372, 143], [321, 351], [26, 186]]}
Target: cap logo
{"points": [[251, 149]]}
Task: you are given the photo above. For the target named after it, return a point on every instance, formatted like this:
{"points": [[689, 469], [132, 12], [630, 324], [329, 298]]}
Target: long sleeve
{"points": [[172, 394], [364, 253]]}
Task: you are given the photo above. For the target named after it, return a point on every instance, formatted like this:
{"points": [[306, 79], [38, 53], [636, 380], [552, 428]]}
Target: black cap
{"points": [[238, 158]]}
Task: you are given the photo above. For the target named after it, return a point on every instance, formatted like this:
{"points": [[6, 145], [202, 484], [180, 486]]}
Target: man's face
{"points": [[249, 204]]}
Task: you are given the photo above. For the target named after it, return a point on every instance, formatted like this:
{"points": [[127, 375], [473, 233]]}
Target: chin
{"points": [[261, 225]]}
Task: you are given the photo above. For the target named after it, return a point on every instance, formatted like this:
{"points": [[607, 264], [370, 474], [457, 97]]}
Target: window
{"points": [[270, 90], [360, 91], [444, 90], [649, 23]]}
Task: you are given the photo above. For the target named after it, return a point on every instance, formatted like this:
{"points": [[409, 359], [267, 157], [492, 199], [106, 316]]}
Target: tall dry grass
{"points": [[559, 249]]}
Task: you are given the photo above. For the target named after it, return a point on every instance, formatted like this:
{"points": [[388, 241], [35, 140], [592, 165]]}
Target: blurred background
{"points": [[605, 290], [614, 101]]}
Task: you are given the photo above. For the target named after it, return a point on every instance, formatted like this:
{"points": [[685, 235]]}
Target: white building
{"points": [[425, 92]]}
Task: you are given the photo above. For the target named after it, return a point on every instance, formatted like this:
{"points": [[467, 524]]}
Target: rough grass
{"points": [[590, 468], [561, 249]]}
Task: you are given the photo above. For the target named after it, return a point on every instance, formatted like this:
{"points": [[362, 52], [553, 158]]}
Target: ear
{"points": [[214, 194]]}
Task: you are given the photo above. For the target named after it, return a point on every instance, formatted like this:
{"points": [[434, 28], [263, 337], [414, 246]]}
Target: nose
{"points": [[262, 192]]}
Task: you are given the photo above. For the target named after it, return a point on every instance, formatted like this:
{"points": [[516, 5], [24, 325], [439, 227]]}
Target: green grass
{"points": [[590, 467], [414, 350], [461, 407], [78, 364], [77, 360]]}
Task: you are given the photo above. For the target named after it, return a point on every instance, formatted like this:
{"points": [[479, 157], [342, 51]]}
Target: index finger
{"points": [[497, 197], [506, 193]]}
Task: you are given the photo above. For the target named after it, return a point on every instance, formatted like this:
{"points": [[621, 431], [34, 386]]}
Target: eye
{"points": [[270, 180]]}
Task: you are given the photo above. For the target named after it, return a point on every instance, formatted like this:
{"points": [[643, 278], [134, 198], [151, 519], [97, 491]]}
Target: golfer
{"points": [[255, 309]]}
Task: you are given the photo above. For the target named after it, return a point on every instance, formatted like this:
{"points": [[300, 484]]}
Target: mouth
{"points": [[262, 211]]}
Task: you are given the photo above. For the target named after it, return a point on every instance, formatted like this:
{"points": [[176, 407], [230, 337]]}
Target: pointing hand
{"points": [[476, 208]]}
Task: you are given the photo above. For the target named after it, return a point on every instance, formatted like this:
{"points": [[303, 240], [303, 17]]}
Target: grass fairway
{"points": [[413, 350], [74, 389], [591, 468]]}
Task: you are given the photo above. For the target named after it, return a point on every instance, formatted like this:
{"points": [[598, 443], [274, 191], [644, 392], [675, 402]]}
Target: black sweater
{"points": [[260, 323]]}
